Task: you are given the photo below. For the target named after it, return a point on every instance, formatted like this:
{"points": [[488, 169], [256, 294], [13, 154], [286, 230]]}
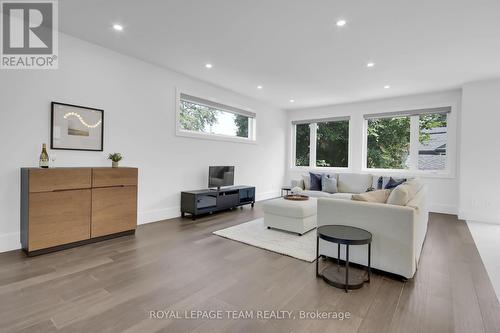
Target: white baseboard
{"points": [[158, 215], [267, 195], [173, 212], [470, 215], [444, 209], [10, 241]]}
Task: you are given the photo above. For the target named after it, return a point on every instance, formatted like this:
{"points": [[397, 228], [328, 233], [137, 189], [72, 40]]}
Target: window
{"points": [[433, 136], [389, 143], [303, 137], [322, 143], [332, 144], [411, 140], [199, 117]]}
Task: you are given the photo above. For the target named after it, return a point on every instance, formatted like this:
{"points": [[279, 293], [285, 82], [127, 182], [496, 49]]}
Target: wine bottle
{"points": [[44, 157]]}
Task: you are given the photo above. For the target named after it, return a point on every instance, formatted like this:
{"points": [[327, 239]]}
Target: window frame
{"points": [[294, 148], [447, 172], [210, 102], [313, 127]]}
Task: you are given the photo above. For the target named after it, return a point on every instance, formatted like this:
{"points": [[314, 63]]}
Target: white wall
{"points": [[443, 190], [139, 103], [480, 152]]}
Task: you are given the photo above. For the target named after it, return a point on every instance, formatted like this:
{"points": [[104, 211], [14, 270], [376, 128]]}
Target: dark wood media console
{"points": [[210, 201]]}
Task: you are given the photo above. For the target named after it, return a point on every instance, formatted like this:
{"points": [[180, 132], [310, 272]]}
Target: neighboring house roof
{"points": [[432, 154], [437, 143]]}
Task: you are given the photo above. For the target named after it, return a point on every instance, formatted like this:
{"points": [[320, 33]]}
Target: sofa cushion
{"points": [[315, 194], [315, 184], [306, 178], [354, 182], [290, 208], [379, 196], [344, 196], [329, 183]]}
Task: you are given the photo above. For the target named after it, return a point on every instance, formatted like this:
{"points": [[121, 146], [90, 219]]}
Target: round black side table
{"points": [[347, 235]]}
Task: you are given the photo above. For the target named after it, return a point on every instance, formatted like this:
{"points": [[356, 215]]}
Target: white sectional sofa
{"points": [[347, 184], [398, 229]]}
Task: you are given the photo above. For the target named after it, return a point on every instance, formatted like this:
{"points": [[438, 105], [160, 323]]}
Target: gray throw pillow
{"points": [[329, 183]]}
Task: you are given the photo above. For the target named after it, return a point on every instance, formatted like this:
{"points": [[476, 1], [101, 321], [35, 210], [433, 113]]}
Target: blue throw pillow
{"points": [[315, 181], [329, 183], [394, 182], [381, 182]]}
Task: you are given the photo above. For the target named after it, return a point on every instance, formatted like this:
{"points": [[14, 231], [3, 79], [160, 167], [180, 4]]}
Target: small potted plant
{"points": [[115, 158]]}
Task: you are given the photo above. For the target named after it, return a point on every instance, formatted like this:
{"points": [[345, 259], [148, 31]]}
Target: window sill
{"points": [[378, 172], [322, 169], [412, 173], [214, 137]]}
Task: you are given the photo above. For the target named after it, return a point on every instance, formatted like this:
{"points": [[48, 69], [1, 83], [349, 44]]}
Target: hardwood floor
{"points": [[179, 265]]}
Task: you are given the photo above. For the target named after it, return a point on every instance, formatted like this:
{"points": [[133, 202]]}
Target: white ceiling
{"points": [[294, 49]]}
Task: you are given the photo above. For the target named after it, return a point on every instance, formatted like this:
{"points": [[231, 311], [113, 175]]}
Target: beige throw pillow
{"points": [[405, 192], [379, 196], [399, 195], [415, 185]]}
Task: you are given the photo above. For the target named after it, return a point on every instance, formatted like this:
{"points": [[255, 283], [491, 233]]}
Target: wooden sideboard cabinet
{"points": [[65, 207]]}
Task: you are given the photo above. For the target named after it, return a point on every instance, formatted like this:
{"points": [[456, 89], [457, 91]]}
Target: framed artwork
{"points": [[76, 127]]}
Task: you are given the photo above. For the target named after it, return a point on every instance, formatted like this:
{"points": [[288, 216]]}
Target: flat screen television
{"points": [[219, 176]]}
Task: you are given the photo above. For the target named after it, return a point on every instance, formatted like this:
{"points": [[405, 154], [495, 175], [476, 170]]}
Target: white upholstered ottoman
{"points": [[294, 216]]}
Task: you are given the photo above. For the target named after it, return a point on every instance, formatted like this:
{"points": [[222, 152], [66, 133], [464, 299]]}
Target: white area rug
{"points": [[255, 233]]}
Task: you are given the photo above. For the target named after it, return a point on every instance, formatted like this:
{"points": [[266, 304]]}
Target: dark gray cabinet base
{"points": [[208, 201]]}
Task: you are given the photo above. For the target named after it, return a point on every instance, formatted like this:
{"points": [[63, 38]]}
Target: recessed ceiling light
{"points": [[387, 86], [341, 23], [292, 101], [118, 27], [259, 87], [208, 65], [370, 64]]}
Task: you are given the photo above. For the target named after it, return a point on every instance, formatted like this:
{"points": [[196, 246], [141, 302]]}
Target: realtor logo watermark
{"points": [[29, 35]]}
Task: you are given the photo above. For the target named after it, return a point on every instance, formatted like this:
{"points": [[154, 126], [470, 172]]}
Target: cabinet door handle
{"points": [[71, 189]]}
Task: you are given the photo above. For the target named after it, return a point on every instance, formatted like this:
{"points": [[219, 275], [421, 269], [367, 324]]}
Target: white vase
{"points": [[114, 164]]}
